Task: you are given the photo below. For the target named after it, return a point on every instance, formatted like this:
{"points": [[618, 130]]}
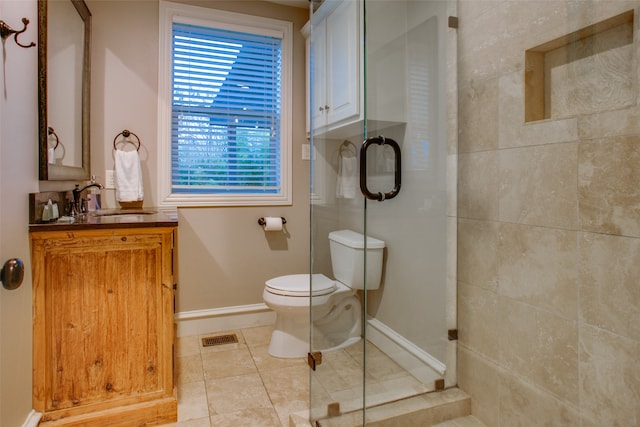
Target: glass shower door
{"points": [[383, 131]]}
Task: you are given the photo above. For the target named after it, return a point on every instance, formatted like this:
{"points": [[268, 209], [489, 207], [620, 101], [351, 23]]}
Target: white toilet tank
{"points": [[347, 259]]}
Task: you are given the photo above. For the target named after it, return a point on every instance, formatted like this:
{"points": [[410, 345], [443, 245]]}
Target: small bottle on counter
{"points": [[94, 198]]}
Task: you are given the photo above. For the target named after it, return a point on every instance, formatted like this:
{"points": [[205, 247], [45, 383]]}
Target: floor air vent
{"points": [[219, 340]]}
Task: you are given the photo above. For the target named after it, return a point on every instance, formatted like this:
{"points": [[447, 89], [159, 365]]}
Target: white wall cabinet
{"points": [[339, 35], [335, 73]]}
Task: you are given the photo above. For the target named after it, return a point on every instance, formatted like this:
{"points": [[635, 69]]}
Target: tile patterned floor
{"points": [[239, 384]]}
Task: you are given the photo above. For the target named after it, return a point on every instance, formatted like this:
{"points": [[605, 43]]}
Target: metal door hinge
{"points": [[452, 334], [453, 22], [333, 409], [314, 359]]}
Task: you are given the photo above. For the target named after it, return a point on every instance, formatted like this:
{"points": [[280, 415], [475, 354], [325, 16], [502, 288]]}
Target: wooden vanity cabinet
{"points": [[103, 303]]}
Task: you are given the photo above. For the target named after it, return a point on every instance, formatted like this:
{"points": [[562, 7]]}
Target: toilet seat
{"points": [[297, 285]]}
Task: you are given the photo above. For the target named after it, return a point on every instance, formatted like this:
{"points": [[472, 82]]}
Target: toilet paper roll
{"points": [[272, 223]]}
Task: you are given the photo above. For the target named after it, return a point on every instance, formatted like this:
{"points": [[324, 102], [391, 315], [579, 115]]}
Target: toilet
{"points": [[337, 314]]}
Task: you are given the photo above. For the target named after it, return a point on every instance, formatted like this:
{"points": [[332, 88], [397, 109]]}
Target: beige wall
{"points": [[548, 234], [18, 177], [224, 256]]}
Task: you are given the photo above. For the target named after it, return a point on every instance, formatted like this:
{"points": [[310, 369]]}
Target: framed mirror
{"points": [[64, 70]]}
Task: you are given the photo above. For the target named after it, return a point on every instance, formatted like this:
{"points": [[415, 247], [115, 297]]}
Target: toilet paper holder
{"points": [[263, 221]]}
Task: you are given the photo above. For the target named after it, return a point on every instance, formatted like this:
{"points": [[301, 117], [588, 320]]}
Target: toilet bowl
{"points": [[337, 313]]}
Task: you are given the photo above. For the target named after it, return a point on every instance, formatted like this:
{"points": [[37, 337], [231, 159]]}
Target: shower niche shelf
{"points": [[583, 72]]}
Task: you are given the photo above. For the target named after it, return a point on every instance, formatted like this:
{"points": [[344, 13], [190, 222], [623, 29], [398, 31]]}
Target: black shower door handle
{"points": [[380, 140]]}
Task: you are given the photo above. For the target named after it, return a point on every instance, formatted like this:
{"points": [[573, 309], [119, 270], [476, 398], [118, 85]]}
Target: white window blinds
{"points": [[225, 113]]}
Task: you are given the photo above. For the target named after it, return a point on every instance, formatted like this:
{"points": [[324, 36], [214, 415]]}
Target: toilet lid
{"points": [[298, 285]]}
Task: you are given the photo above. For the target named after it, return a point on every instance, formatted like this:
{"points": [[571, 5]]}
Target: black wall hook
{"points": [[6, 31]]}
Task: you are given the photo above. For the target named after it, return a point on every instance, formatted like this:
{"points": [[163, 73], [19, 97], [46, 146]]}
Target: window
{"points": [[224, 119]]}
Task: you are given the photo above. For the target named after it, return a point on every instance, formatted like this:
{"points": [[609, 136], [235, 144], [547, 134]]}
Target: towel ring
{"points": [[50, 131], [348, 146], [126, 133]]}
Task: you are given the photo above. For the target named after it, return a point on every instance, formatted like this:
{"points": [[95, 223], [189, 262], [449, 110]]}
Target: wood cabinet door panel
{"points": [[104, 319]]}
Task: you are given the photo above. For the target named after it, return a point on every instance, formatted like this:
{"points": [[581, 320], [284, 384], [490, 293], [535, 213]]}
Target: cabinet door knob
{"points": [[108, 387], [320, 109], [12, 273], [326, 107]]}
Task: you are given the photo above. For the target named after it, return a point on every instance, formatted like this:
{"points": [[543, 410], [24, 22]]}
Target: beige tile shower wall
{"points": [[548, 228]]}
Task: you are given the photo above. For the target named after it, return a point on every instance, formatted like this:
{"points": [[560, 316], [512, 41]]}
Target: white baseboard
{"points": [[200, 322], [32, 419], [423, 366]]}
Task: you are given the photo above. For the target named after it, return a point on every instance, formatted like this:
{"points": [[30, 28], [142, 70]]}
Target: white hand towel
{"points": [[128, 176], [51, 156], [347, 177]]}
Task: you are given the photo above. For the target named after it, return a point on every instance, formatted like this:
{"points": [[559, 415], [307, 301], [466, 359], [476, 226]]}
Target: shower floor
{"points": [[340, 379]]}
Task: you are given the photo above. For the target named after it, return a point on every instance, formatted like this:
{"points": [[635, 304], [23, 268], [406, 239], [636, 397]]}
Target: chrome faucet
{"points": [[76, 207]]}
